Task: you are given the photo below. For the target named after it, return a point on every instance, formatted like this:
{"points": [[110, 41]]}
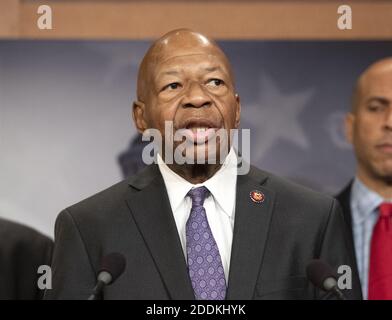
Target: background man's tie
{"points": [[204, 261], [380, 269]]}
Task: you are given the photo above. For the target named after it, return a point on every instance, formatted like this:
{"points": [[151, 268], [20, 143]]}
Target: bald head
{"points": [[369, 127], [375, 80], [176, 43]]}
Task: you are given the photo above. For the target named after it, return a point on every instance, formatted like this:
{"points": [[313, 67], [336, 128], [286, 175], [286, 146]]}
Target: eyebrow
{"points": [[381, 100]]}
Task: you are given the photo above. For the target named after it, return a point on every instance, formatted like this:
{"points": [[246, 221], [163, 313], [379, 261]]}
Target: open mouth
{"points": [[199, 131]]}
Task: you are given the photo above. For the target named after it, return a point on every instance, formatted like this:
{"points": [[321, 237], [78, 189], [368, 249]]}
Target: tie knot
{"points": [[198, 195], [386, 210]]}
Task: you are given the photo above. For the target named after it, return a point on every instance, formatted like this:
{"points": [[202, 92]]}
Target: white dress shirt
{"points": [[219, 205], [364, 212]]}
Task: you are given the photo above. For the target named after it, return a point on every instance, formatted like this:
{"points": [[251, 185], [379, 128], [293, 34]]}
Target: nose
{"points": [[196, 97], [388, 120]]}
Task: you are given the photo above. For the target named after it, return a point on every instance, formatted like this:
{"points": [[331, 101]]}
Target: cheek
{"points": [[161, 112], [171, 97], [227, 107], [367, 131], [366, 135]]}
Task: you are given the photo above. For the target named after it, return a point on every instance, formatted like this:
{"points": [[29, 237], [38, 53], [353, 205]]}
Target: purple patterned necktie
{"points": [[204, 261]]}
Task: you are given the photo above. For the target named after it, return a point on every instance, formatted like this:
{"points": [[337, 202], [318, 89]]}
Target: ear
{"points": [[349, 122], [237, 111], [138, 115]]}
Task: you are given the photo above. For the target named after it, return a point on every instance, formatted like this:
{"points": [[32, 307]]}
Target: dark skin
{"points": [[186, 78]]}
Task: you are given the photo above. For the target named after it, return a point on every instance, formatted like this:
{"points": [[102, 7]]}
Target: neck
{"points": [[382, 186], [195, 173]]}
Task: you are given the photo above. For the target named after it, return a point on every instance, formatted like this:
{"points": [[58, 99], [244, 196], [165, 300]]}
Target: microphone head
{"points": [[318, 272], [113, 263]]}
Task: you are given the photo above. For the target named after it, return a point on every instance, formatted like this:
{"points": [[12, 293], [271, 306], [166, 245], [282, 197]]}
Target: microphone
{"points": [[323, 277], [113, 265]]}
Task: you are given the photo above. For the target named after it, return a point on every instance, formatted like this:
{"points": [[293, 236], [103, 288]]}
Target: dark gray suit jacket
{"points": [[344, 198], [22, 251], [273, 241]]}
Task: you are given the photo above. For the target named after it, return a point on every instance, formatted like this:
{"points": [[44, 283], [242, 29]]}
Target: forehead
{"points": [[378, 83], [195, 61]]}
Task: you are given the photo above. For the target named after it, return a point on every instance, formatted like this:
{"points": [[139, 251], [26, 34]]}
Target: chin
{"points": [[384, 173], [201, 154]]}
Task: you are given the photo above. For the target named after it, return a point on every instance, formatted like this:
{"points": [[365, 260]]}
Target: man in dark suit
{"points": [[198, 230], [22, 251], [366, 201]]}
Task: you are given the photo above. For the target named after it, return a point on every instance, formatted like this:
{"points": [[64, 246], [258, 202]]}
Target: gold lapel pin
{"points": [[257, 196]]}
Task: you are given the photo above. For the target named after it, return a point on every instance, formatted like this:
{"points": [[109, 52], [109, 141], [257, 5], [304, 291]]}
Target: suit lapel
{"points": [[151, 211], [344, 200], [250, 235]]}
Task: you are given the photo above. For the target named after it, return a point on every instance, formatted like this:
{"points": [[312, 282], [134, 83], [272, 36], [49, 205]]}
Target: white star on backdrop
{"points": [[276, 116]]}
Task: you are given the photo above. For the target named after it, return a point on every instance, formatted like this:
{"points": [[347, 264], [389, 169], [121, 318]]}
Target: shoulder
{"points": [[110, 201], [344, 195], [16, 231], [22, 237], [102, 199], [283, 186], [292, 196], [100, 207]]}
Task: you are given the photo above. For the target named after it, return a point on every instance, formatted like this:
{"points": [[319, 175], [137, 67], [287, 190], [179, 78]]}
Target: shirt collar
{"points": [[222, 184], [364, 201]]}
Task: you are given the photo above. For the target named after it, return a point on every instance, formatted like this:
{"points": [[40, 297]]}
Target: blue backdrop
{"points": [[66, 130]]}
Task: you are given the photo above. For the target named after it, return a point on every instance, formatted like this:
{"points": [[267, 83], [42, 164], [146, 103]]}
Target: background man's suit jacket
{"points": [[273, 241], [344, 198], [22, 251]]}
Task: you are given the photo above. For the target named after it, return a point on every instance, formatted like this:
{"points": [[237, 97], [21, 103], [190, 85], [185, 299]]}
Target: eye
{"points": [[374, 107], [171, 86], [215, 82]]}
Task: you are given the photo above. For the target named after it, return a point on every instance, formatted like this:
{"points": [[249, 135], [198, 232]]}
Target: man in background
{"points": [[22, 251], [366, 201]]}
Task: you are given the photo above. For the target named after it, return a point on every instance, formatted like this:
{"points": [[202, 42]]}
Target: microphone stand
{"points": [[97, 291]]}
